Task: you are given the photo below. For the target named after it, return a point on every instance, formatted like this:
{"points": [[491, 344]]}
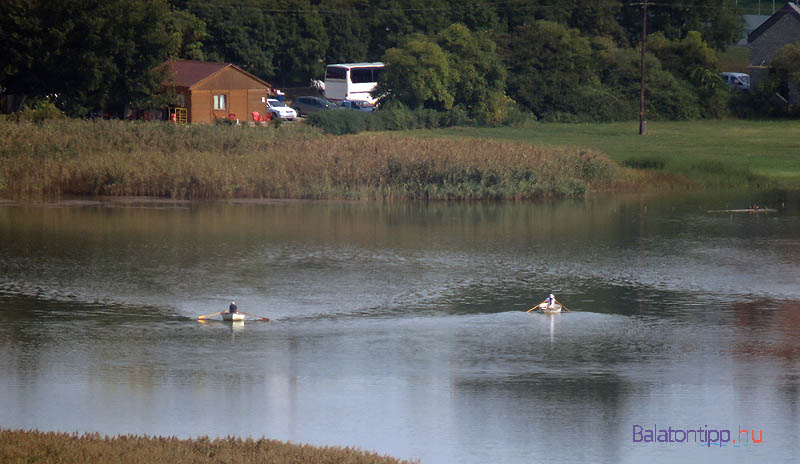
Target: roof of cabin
{"points": [[187, 73]]}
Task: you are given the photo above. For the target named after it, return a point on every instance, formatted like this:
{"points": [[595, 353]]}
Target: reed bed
{"points": [[17, 446], [294, 161]]}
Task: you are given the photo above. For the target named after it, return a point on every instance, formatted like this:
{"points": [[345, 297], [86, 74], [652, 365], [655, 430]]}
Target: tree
{"points": [[476, 15], [547, 63], [418, 75], [667, 96], [478, 75], [596, 18], [718, 25], [391, 21], [239, 32], [693, 61], [192, 31], [348, 31], [86, 54], [302, 41]]}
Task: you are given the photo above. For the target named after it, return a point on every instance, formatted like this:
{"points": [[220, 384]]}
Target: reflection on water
{"points": [[401, 328]]}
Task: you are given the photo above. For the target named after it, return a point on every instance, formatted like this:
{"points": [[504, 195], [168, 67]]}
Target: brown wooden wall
{"points": [[243, 97], [200, 106]]}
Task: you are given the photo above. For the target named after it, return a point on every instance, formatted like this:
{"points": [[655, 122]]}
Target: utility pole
{"points": [[642, 118]]}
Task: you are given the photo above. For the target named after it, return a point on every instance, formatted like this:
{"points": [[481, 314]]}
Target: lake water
{"points": [[401, 328]]}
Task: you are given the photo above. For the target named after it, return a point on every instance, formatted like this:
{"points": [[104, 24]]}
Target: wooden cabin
{"points": [[210, 91]]}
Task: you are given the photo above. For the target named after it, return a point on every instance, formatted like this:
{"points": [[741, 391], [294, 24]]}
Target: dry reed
{"points": [[294, 161], [17, 446]]}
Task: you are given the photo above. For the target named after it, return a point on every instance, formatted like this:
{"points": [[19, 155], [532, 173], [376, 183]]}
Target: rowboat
{"points": [[228, 316], [238, 316], [556, 308]]}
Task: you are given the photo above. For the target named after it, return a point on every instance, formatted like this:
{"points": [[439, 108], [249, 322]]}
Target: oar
{"points": [[538, 306], [565, 308], [209, 315], [265, 319]]}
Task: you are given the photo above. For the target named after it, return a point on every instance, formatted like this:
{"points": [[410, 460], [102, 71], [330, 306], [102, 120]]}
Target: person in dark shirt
{"points": [[232, 308]]}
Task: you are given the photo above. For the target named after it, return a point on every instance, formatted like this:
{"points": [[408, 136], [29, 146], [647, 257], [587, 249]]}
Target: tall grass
{"points": [[294, 161], [17, 446]]}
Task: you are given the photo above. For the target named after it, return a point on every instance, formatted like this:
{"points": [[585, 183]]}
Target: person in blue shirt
{"points": [[232, 308]]}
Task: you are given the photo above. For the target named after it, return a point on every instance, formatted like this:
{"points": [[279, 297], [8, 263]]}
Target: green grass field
{"points": [[724, 153]]}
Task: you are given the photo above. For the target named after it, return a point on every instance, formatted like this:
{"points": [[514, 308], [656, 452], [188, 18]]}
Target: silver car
{"points": [[280, 110], [308, 105]]}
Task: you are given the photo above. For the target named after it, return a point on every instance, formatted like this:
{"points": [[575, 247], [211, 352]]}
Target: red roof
{"points": [[186, 73]]}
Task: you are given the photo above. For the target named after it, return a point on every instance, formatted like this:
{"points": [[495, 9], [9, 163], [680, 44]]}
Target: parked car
{"points": [[280, 109], [308, 105], [736, 80], [359, 105]]}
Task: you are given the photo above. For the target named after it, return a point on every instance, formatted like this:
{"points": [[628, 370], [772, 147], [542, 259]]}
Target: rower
{"points": [[551, 300], [232, 308]]}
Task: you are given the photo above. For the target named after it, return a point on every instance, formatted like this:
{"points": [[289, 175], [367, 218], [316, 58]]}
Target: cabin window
{"points": [[220, 103]]}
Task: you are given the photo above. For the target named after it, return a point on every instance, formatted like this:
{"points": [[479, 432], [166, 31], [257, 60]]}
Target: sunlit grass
{"points": [[743, 154], [60, 448]]}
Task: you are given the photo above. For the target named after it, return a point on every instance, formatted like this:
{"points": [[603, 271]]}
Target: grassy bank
{"points": [[71, 157], [59, 448], [710, 154]]}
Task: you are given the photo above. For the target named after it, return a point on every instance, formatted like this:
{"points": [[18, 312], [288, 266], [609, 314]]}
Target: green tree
{"points": [[597, 18], [239, 32], [477, 15], [547, 63], [348, 31], [391, 21], [478, 74], [718, 24], [192, 31], [86, 54], [667, 96], [417, 75], [694, 62], [301, 44]]}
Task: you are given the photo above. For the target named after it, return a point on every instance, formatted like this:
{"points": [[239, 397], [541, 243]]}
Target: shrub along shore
{"points": [[17, 446], [293, 161]]}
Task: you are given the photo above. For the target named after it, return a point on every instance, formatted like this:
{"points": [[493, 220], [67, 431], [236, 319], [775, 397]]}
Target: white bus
{"points": [[352, 81]]}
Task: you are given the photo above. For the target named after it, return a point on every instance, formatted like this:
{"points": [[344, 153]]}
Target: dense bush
{"points": [[38, 111], [396, 116]]}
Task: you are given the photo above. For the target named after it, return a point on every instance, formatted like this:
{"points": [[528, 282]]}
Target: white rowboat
{"points": [[556, 308], [228, 316]]}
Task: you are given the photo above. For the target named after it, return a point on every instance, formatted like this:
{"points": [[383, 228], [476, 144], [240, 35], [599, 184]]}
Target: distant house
{"points": [[751, 23], [210, 91], [782, 28]]}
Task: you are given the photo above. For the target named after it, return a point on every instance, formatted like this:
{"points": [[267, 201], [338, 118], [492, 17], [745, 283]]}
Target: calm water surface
{"points": [[400, 328]]}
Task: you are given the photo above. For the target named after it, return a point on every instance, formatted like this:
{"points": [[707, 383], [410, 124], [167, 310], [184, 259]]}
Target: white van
{"points": [[736, 80], [352, 81]]}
